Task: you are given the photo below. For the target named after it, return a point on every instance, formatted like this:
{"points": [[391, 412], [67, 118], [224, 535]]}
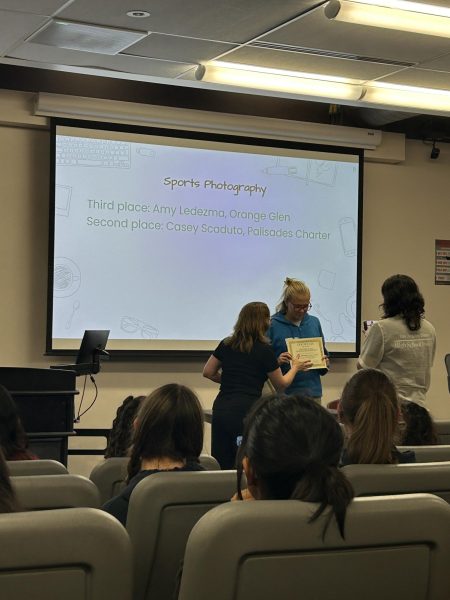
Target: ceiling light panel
{"points": [[303, 84], [423, 99], [400, 19], [88, 38]]}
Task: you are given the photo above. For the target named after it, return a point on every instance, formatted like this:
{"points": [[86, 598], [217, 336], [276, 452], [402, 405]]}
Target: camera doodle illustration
{"points": [[66, 277], [133, 325]]}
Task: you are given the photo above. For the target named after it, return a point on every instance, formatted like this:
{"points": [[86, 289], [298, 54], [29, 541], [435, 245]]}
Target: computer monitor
{"points": [[93, 344], [92, 347]]}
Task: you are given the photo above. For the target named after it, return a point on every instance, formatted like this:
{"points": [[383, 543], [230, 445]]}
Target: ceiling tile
{"points": [[420, 78], [170, 47], [125, 64], [228, 20], [316, 31], [309, 63], [36, 7], [14, 27], [439, 64]]}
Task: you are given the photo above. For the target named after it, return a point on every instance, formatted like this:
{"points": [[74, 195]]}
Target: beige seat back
{"points": [[17, 468], [443, 431], [425, 454], [163, 509], [395, 547], [42, 492], [110, 475], [377, 480], [74, 554]]}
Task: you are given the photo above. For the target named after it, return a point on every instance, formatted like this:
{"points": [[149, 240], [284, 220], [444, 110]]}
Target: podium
{"points": [[44, 398]]}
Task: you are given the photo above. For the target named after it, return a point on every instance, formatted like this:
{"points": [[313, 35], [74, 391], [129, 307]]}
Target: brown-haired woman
{"points": [[369, 410], [241, 364], [168, 436]]}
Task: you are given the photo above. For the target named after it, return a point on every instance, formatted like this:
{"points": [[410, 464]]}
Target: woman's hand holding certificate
{"points": [[308, 349]]}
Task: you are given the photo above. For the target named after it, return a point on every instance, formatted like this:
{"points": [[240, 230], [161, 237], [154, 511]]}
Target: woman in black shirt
{"points": [[241, 364], [168, 436]]}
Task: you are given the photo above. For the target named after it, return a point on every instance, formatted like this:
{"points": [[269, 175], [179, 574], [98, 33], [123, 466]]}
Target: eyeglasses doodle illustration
{"points": [[133, 325], [66, 277]]}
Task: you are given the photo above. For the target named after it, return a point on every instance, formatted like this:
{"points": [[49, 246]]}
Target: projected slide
{"points": [[163, 239]]}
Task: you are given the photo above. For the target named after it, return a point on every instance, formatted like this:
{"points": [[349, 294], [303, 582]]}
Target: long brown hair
{"points": [[169, 424], [251, 325], [369, 405]]}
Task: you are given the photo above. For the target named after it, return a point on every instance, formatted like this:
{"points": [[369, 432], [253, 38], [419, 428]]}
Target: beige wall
{"points": [[406, 207]]}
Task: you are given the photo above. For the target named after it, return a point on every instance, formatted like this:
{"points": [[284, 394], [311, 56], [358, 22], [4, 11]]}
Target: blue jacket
{"points": [[280, 329]]}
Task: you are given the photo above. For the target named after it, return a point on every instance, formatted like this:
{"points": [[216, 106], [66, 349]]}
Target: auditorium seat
{"points": [[395, 548], [41, 492], [110, 475], [17, 468], [443, 431], [163, 509], [73, 554], [378, 480], [426, 454]]}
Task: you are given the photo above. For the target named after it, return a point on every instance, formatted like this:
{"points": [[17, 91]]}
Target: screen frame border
{"points": [[245, 140]]}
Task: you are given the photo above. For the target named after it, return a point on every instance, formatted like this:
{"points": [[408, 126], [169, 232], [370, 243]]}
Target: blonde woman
{"points": [[292, 320], [241, 364]]}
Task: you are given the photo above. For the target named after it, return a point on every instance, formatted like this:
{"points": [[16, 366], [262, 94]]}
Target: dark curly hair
{"points": [[419, 426], [401, 296], [121, 433]]}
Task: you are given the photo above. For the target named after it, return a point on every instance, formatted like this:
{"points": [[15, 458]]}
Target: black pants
{"points": [[227, 419]]}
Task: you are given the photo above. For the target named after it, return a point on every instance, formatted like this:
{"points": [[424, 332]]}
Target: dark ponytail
{"points": [[328, 486], [293, 446]]}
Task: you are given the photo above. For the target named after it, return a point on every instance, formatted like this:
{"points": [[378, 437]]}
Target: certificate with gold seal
{"points": [[308, 349]]}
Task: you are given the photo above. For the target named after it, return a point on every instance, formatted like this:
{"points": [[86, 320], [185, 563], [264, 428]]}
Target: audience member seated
{"points": [[13, 439], [8, 501], [290, 449], [168, 436], [119, 440], [418, 428], [369, 410]]}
